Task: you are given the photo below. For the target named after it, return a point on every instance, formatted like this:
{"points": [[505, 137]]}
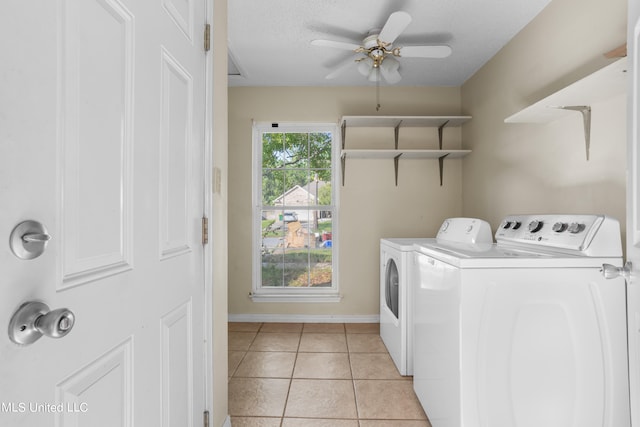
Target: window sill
{"points": [[295, 297]]}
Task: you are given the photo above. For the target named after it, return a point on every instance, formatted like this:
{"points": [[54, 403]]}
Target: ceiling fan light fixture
{"points": [[374, 75], [389, 69], [365, 66], [377, 55]]}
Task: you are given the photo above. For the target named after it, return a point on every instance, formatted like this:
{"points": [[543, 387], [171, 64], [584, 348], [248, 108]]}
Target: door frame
{"points": [[208, 211]]}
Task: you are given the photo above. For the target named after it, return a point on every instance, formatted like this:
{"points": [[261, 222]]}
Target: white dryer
{"points": [[525, 332], [396, 273]]}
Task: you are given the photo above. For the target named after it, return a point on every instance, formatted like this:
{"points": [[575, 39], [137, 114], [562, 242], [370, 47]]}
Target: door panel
{"points": [[109, 378], [175, 149], [96, 46], [102, 115], [177, 354]]}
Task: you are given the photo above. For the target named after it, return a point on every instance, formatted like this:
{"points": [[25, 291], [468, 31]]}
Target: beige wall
{"points": [[371, 206], [532, 168]]}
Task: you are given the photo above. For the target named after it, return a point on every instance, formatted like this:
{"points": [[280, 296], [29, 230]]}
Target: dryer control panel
{"points": [[465, 230], [588, 235]]}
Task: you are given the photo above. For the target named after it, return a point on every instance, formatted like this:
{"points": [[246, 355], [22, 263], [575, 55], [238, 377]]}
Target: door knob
{"points": [[34, 319], [611, 271], [29, 239]]}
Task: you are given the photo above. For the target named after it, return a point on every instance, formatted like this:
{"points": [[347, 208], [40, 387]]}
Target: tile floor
{"points": [[316, 375]]}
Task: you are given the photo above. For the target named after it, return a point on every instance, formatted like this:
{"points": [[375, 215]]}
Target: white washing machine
{"points": [[525, 332], [396, 267]]}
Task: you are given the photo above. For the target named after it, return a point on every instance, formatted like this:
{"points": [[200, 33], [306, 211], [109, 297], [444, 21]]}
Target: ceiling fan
{"points": [[377, 55]]}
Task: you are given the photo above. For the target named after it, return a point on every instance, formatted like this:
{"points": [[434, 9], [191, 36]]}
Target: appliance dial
{"points": [[445, 225], [535, 226], [576, 228], [506, 225], [559, 227], [516, 225]]}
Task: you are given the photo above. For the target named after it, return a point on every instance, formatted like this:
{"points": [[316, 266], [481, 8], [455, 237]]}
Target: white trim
{"points": [[208, 211], [260, 294], [301, 296], [305, 318]]}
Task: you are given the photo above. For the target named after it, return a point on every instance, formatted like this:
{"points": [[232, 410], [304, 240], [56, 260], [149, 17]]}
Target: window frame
{"points": [[293, 294]]}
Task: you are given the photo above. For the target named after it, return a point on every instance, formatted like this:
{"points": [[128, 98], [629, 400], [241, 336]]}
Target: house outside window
{"points": [[295, 215]]}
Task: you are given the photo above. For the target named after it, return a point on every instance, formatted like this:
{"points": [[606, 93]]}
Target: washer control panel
{"points": [[582, 233]]}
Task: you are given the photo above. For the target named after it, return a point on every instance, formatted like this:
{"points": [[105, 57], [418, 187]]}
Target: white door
{"points": [[633, 209], [102, 112]]}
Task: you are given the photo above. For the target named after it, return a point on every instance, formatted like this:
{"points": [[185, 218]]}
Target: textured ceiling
{"points": [[269, 40]]}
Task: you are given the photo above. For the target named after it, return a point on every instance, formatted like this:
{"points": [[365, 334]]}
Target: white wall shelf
{"points": [[578, 97], [395, 122]]}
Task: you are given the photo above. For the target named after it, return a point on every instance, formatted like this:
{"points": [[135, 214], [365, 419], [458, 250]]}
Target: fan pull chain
{"points": [[377, 89]]}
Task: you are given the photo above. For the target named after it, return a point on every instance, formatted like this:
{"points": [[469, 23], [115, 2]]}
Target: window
{"points": [[295, 217]]}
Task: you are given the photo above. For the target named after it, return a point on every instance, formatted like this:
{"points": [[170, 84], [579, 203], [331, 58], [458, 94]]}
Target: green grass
{"points": [[300, 256], [297, 268]]}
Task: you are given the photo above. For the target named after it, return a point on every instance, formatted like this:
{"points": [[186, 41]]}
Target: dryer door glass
{"points": [[391, 286]]}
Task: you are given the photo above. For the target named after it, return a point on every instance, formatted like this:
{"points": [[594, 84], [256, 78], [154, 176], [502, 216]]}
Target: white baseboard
{"points": [[304, 318]]}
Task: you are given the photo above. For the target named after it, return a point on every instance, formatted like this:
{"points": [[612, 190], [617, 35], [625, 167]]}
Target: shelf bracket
{"points": [[441, 166], [343, 129], [586, 118], [441, 158], [440, 132], [396, 132], [396, 164], [343, 165]]}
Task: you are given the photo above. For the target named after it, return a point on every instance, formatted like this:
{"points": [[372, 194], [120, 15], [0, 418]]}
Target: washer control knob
{"points": [[506, 225], [576, 228], [535, 226], [516, 225], [559, 227]]}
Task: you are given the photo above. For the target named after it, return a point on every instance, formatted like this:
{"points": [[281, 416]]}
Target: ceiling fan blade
{"points": [[395, 25], [335, 44], [342, 66], [441, 51]]}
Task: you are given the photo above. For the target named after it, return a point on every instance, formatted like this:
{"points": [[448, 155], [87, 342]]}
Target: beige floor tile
{"points": [[281, 327], [323, 343], [306, 422], [241, 340], [374, 366], [362, 328], [255, 422], [279, 341], [365, 343], [324, 328], [322, 365], [391, 423], [235, 357], [259, 397], [244, 326], [321, 399], [387, 400], [266, 364]]}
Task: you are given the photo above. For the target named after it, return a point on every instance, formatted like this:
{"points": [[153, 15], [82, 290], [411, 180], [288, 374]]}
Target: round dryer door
{"points": [[391, 286]]}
